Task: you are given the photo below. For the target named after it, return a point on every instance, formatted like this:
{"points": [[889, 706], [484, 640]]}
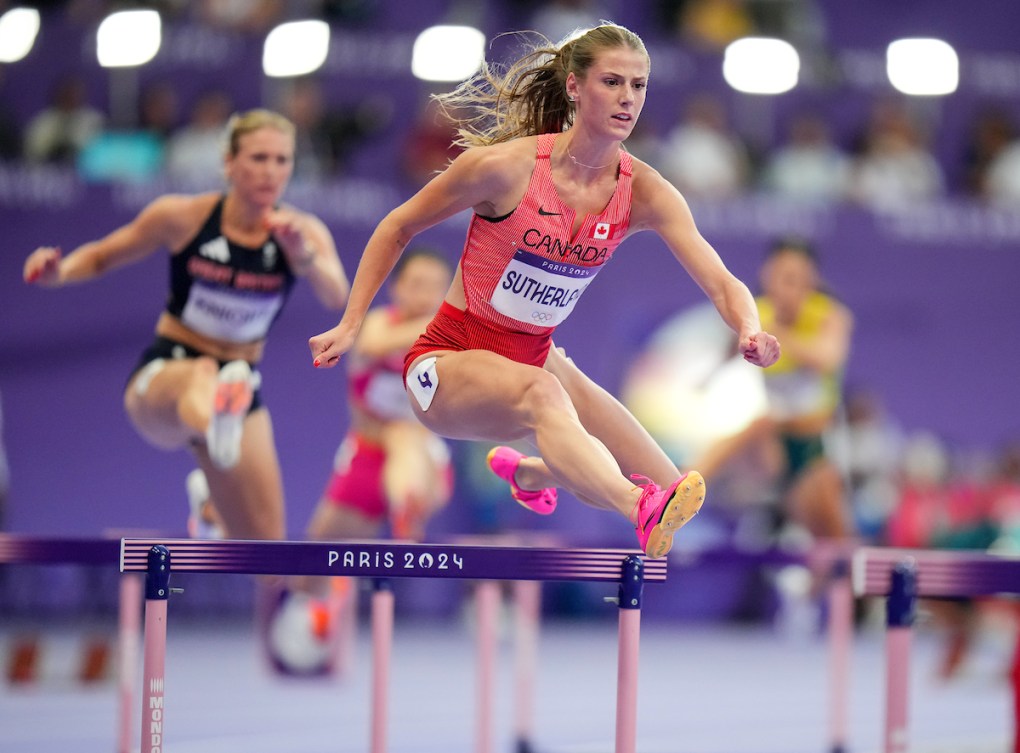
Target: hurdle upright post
{"points": [[129, 625], [527, 611], [901, 608], [157, 590], [841, 618], [382, 648], [632, 584]]}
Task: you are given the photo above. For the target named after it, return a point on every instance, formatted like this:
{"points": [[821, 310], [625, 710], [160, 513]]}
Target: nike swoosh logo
{"points": [[544, 213]]}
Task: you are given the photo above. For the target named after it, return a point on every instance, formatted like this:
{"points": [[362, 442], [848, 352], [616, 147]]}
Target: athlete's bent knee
{"points": [[544, 393]]}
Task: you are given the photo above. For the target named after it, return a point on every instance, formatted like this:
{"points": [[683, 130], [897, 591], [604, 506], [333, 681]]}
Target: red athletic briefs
{"points": [[356, 482], [453, 329]]}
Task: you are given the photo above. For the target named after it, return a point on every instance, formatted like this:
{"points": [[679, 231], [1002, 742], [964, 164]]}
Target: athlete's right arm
{"points": [[154, 226], [476, 178]]}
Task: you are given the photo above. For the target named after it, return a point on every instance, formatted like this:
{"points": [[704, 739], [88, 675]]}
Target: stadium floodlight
{"points": [[761, 65], [18, 29], [128, 38], [922, 67], [295, 48], [447, 53]]}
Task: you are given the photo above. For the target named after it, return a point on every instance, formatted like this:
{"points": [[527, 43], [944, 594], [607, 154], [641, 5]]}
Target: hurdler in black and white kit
{"points": [[234, 259]]}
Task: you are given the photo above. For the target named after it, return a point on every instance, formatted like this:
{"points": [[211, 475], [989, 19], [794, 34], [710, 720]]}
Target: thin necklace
{"points": [[590, 167]]}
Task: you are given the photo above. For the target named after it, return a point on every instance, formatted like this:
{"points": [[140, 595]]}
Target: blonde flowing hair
{"points": [[529, 96]]}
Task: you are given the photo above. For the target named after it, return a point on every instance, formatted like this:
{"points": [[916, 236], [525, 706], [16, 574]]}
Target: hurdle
{"points": [[831, 559], [903, 576], [383, 561], [99, 552]]}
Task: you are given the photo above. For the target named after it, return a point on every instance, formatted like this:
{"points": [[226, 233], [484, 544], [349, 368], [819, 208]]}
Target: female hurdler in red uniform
{"points": [[553, 194]]}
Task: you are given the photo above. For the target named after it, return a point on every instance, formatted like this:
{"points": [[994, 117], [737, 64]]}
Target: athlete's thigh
{"points": [[484, 396], [338, 521], [611, 422], [151, 397]]}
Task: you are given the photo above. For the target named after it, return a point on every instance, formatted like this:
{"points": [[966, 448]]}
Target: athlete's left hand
{"points": [[761, 349]]}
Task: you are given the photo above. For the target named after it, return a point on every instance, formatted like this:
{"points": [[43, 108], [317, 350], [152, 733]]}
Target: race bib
{"points": [[228, 315], [796, 393], [423, 381], [540, 291]]}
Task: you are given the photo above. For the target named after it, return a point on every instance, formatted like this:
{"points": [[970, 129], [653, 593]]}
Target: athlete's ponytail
{"points": [[529, 97]]}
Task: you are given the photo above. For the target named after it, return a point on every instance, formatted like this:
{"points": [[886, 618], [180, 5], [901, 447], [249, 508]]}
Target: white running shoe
{"points": [[235, 387], [199, 526]]}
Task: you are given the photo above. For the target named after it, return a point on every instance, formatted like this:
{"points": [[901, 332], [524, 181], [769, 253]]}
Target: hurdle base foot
{"points": [[524, 745]]}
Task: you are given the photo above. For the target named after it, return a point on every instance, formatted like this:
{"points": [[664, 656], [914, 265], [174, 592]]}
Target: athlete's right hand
{"points": [[42, 267], [330, 345]]}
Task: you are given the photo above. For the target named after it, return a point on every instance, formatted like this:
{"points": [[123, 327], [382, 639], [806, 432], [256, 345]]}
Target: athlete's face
{"points": [[788, 278], [262, 166], [421, 286], [612, 93]]}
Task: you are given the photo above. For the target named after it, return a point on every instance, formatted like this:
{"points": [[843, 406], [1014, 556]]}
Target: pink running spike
{"points": [[504, 462], [660, 513]]}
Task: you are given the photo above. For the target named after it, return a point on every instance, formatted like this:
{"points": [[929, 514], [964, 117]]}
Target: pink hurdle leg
{"points": [[841, 617], [901, 606], [1015, 677], [130, 625], [487, 601], [382, 644], [628, 659], [157, 582], [528, 603]]}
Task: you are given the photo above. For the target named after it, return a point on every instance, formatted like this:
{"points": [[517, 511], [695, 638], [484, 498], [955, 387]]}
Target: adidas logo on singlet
{"points": [[268, 255], [216, 249]]}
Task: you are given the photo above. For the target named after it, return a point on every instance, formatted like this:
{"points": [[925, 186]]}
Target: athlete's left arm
{"points": [[658, 206], [311, 253]]}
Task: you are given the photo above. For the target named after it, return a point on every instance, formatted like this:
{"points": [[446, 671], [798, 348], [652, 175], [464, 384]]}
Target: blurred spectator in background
{"points": [[242, 15], [62, 129], [868, 445], [921, 508], [894, 168], [700, 155], [428, 147], [941, 509], [195, 151], [159, 110], [5, 472], [808, 166], [303, 105], [10, 132], [990, 134], [1004, 499], [1002, 181], [707, 25], [136, 151], [327, 136], [557, 19]]}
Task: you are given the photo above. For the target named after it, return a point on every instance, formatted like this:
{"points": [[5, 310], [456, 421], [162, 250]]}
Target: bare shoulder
{"points": [[506, 160], [178, 208], [175, 218], [494, 176], [654, 197]]}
